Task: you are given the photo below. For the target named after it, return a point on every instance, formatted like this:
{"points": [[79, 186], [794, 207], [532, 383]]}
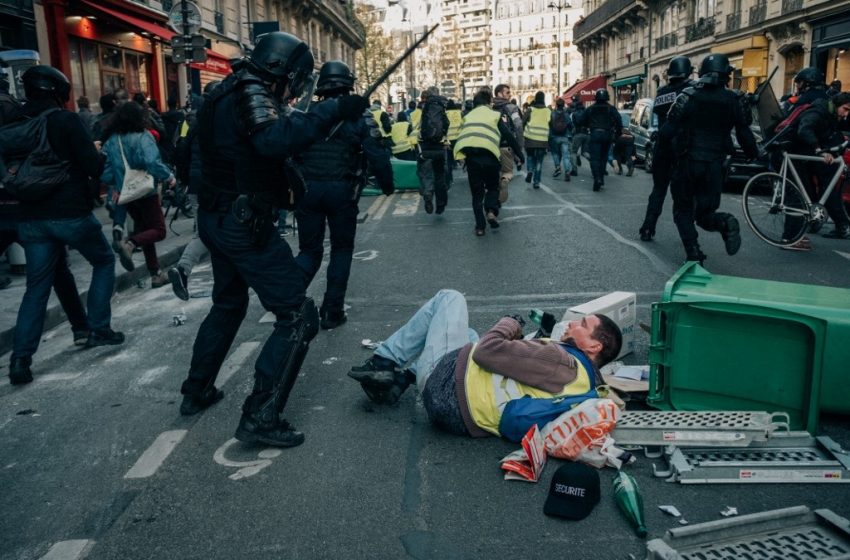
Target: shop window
{"points": [[111, 58], [137, 73], [76, 68], [91, 72]]}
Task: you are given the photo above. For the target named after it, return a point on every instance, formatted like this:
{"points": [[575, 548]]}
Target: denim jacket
{"points": [[141, 152]]}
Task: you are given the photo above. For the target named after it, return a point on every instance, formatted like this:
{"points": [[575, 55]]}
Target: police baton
{"points": [[388, 72]]}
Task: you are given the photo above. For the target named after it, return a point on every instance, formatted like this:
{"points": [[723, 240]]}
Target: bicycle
{"points": [[778, 208]]}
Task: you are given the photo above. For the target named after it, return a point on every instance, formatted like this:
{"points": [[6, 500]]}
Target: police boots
{"points": [[693, 253], [260, 422]]}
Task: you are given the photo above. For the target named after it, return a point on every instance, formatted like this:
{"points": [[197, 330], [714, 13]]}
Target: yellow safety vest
{"points": [[538, 124], [401, 139], [455, 120], [416, 122], [488, 393], [480, 129], [376, 114]]}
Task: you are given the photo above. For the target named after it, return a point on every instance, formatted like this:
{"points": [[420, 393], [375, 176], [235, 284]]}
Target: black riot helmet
{"points": [[715, 69], [46, 82], [335, 75], [282, 59], [601, 95], [679, 68], [808, 78]]}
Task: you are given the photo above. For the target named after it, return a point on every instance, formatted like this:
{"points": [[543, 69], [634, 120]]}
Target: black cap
{"points": [[574, 491]]}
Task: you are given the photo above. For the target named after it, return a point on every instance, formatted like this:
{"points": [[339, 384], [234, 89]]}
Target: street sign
{"points": [[175, 17], [188, 49]]}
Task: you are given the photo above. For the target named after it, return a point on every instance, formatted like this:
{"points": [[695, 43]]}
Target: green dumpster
{"points": [[404, 174], [722, 342]]}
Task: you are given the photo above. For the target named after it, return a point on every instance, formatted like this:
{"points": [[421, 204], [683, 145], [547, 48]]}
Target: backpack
{"points": [[40, 171], [560, 124], [790, 122], [433, 125]]}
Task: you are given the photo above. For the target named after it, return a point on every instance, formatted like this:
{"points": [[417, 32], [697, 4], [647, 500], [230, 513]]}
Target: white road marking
{"points": [[367, 255], [408, 205], [235, 361], [843, 254], [246, 468], [155, 455], [379, 213], [269, 317], [151, 375], [377, 203], [69, 550], [57, 377]]}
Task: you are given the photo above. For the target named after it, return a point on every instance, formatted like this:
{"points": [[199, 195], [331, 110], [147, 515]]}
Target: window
{"points": [[644, 117]]}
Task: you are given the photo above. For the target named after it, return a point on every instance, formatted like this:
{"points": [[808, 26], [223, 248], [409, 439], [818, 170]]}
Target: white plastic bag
{"points": [[582, 434]]}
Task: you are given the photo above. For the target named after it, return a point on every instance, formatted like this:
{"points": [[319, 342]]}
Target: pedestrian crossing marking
{"points": [[69, 550], [155, 455], [408, 205]]}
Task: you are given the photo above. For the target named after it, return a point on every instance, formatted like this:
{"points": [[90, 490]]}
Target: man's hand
{"points": [[547, 323], [827, 158], [351, 107], [518, 318]]}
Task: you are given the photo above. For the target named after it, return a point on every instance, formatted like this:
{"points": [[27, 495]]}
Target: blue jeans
{"points": [[561, 152], [535, 163], [440, 326], [44, 244]]}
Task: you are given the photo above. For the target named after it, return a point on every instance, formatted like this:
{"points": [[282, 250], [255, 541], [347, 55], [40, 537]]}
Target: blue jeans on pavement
{"points": [[561, 153], [535, 163], [440, 326], [44, 243]]}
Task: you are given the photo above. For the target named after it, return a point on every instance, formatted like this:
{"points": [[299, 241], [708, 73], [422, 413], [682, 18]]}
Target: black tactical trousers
{"points": [[599, 147], [696, 190], [662, 167], [483, 174]]}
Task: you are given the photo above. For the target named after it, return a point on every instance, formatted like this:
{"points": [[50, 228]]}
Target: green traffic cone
{"points": [[628, 498]]}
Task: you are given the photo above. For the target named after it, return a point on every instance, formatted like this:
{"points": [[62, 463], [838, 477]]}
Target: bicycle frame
{"points": [[787, 163]]}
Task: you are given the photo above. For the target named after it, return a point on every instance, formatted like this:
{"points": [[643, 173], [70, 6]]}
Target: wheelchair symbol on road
{"points": [[246, 468], [368, 255]]}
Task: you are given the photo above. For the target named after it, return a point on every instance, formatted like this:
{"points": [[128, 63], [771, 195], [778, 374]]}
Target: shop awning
{"points": [[215, 63], [627, 81], [135, 23], [586, 88]]}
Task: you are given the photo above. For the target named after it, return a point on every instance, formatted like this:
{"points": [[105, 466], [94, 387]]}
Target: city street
{"points": [[96, 461]]}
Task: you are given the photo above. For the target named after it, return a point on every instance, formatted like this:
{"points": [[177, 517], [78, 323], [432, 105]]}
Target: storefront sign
{"points": [[213, 64], [754, 63]]}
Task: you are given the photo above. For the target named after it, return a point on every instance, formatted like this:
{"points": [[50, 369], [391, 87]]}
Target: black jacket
{"points": [[816, 126], [71, 141]]}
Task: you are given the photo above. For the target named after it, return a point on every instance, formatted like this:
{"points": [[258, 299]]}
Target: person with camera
{"points": [[247, 134]]}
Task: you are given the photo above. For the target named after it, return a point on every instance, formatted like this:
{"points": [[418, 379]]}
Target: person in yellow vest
{"points": [[401, 133], [382, 119], [455, 119], [476, 387], [481, 133], [536, 137], [416, 120]]}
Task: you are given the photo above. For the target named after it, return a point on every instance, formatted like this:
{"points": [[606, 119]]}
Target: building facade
{"points": [[630, 42], [528, 38], [102, 45], [467, 45]]}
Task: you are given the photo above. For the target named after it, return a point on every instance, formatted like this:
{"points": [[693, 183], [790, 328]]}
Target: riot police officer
{"points": [[246, 133], [702, 118], [333, 170], [605, 124], [678, 73]]}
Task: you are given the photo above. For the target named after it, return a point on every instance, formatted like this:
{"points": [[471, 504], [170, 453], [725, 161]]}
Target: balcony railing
{"points": [[758, 13], [704, 27], [598, 17], [666, 41], [733, 22], [218, 18], [790, 6]]}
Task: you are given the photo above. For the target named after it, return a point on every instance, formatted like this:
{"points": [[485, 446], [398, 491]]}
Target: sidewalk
{"points": [[168, 250]]}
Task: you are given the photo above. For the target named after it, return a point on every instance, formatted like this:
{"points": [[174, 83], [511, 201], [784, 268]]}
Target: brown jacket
{"points": [[538, 363]]}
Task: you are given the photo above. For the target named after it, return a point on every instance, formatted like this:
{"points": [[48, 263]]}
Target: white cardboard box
{"points": [[620, 307]]}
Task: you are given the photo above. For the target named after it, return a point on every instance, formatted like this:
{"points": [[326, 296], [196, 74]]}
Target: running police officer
{"points": [[605, 124], [678, 71], [333, 170], [703, 117], [246, 134]]}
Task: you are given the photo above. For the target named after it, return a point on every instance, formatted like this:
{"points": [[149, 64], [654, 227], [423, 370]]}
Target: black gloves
{"points": [[351, 107], [547, 323], [518, 318], [388, 188]]}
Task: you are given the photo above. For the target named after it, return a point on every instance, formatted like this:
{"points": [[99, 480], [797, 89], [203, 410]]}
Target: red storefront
{"points": [[103, 45]]}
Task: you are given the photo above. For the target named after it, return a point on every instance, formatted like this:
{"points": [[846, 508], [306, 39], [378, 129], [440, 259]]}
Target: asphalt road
{"points": [[96, 461]]}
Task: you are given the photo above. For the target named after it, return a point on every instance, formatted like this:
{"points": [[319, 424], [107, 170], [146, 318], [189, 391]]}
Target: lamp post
{"points": [[559, 6]]}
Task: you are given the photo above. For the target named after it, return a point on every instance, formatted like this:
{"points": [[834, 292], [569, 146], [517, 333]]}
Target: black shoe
{"points": [[574, 173], [646, 234], [282, 434], [81, 337], [332, 319], [557, 172], [567, 177], [732, 235], [104, 338], [179, 282], [441, 208], [694, 254], [193, 404], [4, 282], [630, 172], [429, 207], [377, 372], [20, 372], [597, 186], [838, 233], [493, 220], [528, 177]]}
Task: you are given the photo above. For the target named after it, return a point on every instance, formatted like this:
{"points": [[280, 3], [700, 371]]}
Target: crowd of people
{"points": [[250, 156]]}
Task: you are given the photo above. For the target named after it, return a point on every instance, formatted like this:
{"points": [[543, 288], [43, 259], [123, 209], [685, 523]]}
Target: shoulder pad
{"points": [[679, 105], [255, 107]]}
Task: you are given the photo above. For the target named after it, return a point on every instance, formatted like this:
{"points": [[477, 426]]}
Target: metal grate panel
{"points": [[716, 428]]}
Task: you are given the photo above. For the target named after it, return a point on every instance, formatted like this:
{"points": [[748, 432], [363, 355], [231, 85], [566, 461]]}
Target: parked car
{"points": [[643, 124]]}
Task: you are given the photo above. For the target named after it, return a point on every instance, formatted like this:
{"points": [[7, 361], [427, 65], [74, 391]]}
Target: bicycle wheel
{"points": [[776, 209]]}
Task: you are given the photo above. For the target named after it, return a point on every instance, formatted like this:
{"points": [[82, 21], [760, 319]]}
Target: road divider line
{"points": [[69, 550], [155, 455], [235, 361], [57, 377], [383, 209]]}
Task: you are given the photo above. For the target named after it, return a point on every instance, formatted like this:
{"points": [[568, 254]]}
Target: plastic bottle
{"points": [[536, 316], [628, 498]]}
